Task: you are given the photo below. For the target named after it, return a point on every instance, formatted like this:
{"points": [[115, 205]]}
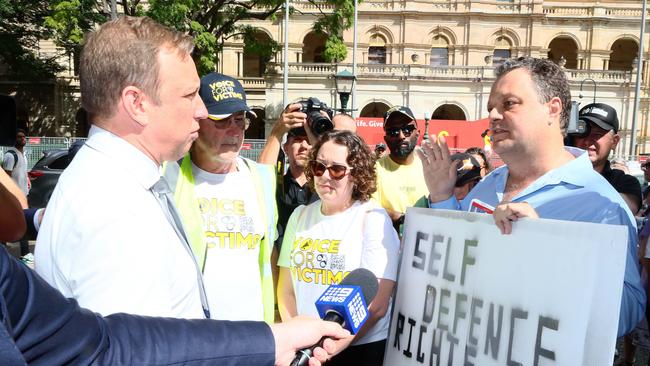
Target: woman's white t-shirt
{"points": [[320, 250]]}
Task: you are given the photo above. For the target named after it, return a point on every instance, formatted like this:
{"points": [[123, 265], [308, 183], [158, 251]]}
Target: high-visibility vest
{"points": [[181, 182]]}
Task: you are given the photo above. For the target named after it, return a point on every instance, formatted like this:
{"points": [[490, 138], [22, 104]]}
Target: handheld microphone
{"points": [[344, 304]]}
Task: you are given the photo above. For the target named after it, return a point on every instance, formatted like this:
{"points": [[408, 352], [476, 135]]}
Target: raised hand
{"points": [[438, 168], [290, 118]]}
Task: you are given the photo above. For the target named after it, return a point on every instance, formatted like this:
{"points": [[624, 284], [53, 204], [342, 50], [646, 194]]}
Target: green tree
{"points": [[333, 24], [211, 22], [20, 30]]}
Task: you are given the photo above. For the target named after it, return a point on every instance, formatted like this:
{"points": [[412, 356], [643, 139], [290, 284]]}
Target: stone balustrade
{"points": [[582, 11], [253, 83], [482, 6], [623, 12], [468, 73]]}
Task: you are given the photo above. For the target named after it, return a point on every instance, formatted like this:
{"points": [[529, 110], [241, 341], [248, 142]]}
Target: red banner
{"points": [[460, 135]]}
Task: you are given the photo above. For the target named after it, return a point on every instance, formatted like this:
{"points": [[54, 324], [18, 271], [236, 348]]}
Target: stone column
{"points": [[240, 64]]}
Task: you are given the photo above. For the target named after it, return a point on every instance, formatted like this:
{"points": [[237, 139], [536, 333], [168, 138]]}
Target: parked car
{"points": [[44, 176]]}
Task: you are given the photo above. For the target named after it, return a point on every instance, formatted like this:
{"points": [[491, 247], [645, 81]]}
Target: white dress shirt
{"points": [[105, 240]]}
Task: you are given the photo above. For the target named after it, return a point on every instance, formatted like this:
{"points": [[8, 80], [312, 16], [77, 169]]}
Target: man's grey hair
{"points": [[549, 79]]}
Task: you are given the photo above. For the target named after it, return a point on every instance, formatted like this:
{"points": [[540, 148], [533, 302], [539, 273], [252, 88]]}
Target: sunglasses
{"points": [[336, 171], [407, 130], [240, 121]]}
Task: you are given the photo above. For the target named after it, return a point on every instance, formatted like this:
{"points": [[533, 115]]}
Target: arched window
{"points": [[439, 51], [501, 52], [624, 51], [377, 50], [564, 47], [374, 109], [449, 112], [313, 47], [254, 64]]}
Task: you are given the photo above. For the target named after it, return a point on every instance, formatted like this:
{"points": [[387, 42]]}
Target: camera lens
{"points": [[319, 123]]}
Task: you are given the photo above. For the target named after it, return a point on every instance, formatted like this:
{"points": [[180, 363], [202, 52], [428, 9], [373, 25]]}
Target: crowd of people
{"points": [[158, 215]]}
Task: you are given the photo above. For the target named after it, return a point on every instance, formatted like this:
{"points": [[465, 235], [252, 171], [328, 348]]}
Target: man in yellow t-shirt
{"points": [[400, 182]]}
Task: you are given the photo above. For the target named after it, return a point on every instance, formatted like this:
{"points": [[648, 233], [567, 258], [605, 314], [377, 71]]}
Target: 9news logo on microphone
{"points": [[346, 300]]}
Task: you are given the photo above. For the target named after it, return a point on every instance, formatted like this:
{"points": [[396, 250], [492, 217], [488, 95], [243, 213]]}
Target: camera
{"points": [[576, 127], [318, 123]]}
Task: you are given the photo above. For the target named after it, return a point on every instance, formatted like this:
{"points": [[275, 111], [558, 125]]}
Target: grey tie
{"points": [[164, 195]]}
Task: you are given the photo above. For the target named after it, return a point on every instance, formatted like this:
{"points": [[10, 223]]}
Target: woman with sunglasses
{"points": [[343, 231]]}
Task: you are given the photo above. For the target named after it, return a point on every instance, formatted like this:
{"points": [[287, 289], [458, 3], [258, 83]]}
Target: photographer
{"points": [[599, 140], [311, 114], [290, 118], [292, 189]]}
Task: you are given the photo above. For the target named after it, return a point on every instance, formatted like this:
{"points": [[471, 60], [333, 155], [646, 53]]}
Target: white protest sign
{"points": [[548, 294]]}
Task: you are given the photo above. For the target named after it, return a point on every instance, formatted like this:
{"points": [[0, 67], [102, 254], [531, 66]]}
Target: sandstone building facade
{"points": [[438, 57], [435, 56]]}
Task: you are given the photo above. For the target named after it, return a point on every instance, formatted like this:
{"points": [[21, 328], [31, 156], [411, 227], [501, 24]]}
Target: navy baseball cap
{"points": [[600, 114], [223, 96], [398, 109]]}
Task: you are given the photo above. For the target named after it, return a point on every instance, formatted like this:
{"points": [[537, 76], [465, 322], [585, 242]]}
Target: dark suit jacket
{"points": [[29, 219], [38, 326]]}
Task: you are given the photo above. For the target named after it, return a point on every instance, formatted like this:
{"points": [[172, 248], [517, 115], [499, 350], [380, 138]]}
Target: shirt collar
{"points": [[573, 172], [139, 166]]}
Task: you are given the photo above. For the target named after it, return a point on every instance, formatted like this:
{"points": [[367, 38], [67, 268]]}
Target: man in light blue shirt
{"points": [[529, 109]]}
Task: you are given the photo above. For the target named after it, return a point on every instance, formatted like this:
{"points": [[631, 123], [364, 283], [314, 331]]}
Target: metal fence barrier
{"points": [[251, 149], [36, 146]]}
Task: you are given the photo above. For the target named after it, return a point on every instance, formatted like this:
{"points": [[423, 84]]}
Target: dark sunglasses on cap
{"points": [[407, 130], [336, 171]]}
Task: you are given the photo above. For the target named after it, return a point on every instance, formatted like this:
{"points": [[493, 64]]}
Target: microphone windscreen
{"points": [[365, 279]]}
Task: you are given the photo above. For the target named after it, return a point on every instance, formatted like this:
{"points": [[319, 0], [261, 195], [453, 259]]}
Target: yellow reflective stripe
{"points": [[266, 200], [185, 198]]}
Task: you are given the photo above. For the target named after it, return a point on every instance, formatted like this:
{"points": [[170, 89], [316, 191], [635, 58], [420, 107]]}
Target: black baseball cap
{"points": [[398, 109], [223, 96], [600, 114], [468, 170]]}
